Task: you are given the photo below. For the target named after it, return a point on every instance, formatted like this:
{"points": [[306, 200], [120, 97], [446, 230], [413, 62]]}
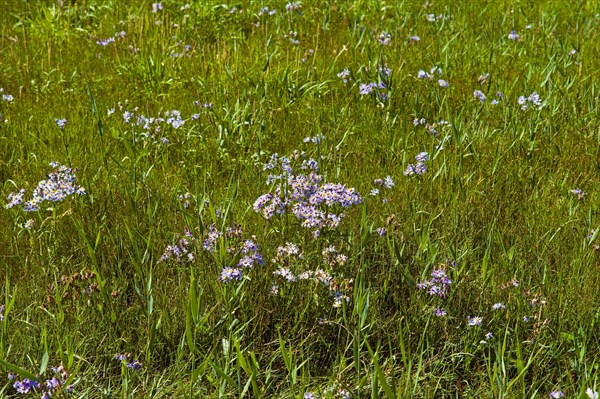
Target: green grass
{"points": [[493, 207]]}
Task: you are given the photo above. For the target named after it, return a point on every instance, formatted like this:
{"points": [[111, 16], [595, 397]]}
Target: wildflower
{"points": [[489, 336], [388, 182], [422, 74], [265, 10], [513, 35], [338, 298], [310, 395], [293, 6], [498, 306], [134, 365], [384, 38], [381, 231], [15, 198], [344, 75], [438, 284], [556, 394], [525, 102], [8, 98], [474, 321], [414, 38], [156, 7], [580, 194], [443, 83], [365, 89], [375, 192], [28, 224], [422, 157], [229, 273], [60, 123], [439, 312], [572, 52], [478, 94], [526, 319], [105, 42], [591, 394]]}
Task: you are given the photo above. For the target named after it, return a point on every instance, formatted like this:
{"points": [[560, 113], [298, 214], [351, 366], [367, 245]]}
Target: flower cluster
{"points": [[6, 97], [438, 284], [152, 129], [578, 192], [47, 387], [419, 168], [373, 88], [384, 38], [58, 185], [130, 363], [181, 251], [431, 74], [474, 321], [526, 102], [267, 11], [111, 39], [305, 195], [344, 75]]}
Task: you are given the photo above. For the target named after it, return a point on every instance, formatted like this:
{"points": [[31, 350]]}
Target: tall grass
{"points": [[178, 114]]}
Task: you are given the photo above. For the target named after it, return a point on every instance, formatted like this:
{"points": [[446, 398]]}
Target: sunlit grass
{"points": [[470, 271]]}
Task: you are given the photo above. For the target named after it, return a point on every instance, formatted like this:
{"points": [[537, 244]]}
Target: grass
{"points": [[494, 212]]}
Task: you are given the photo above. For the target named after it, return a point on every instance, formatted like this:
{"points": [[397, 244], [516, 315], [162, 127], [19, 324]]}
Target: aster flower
{"points": [[474, 321], [513, 35], [384, 38], [591, 393], [443, 83], [478, 94], [556, 394], [60, 123]]}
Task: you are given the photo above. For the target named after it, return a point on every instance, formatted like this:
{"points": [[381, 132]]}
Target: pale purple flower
{"points": [[478, 94], [443, 83], [474, 321], [229, 273], [513, 35], [384, 38], [591, 393], [556, 394], [498, 306], [439, 312], [60, 122]]}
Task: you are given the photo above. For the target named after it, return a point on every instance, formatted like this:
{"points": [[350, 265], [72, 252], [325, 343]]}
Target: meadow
{"points": [[316, 199]]}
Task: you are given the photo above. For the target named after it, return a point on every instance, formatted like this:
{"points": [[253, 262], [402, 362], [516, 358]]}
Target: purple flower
{"points": [[556, 394], [478, 94], [381, 231], [134, 365], [229, 273], [498, 306], [384, 38], [439, 312], [513, 35], [60, 122], [443, 83], [474, 321]]}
